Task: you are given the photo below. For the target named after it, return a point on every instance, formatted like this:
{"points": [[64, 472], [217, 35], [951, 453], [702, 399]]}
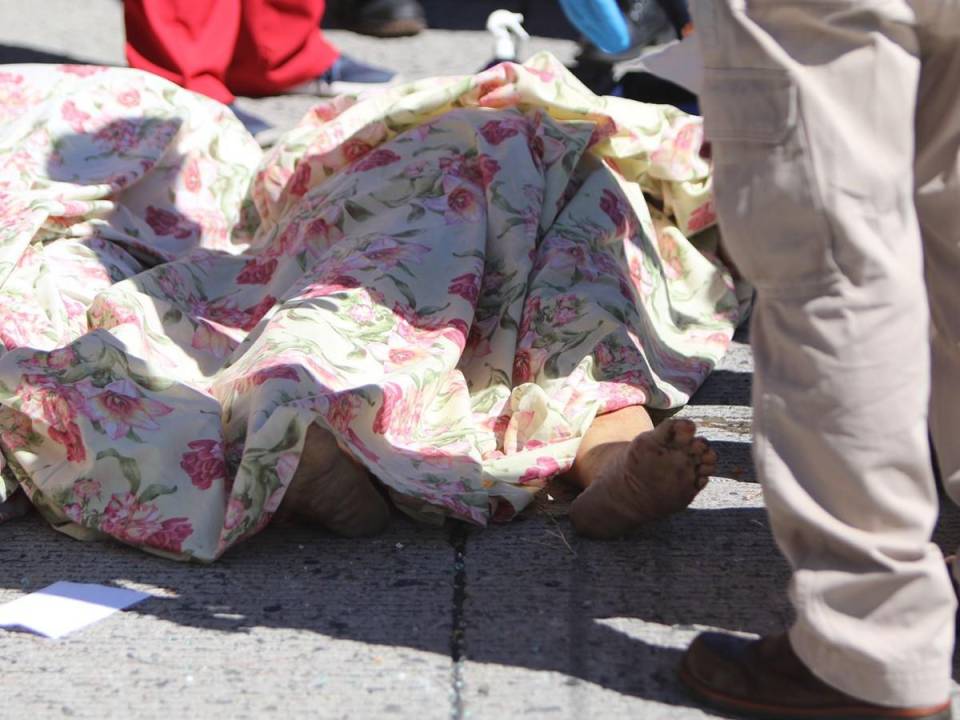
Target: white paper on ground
{"points": [[63, 607], [680, 62]]}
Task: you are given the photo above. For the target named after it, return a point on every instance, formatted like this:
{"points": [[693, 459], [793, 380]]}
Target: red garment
{"points": [[226, 47]]}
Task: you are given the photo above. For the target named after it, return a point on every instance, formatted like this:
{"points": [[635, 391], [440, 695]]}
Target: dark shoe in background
{"points": [[346, 76], [379, 18], [764, 678]]}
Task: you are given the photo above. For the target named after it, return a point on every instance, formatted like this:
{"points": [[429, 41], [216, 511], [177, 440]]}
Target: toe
{"points": [[699, 448], [676, 433], [708, 459]]}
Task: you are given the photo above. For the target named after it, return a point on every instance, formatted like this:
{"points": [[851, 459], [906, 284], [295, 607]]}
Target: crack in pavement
{"points": [[458, 636]]}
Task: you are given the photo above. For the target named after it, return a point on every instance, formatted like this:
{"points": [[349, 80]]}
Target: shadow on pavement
{"points": [[15, 54], [725, 387], [534, 597], [531, 601]]}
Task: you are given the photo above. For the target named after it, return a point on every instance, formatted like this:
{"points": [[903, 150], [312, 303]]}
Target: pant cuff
{"points": [[919, 685]]}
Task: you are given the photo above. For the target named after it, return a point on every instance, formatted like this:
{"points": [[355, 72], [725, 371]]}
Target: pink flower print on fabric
{"points": [[214, 339], [643, 279], [526, 364], [126, 518], [342, 410], [606, 128], [106, 313], [355, 149], [204, 463], [236, 511], [69, 436], [418, 168], [129, 98], [172, 533], [702, 217], [257, 272], [226, 313], [617, 210], [15, 428], [545, 468], [129, 520], [380, 157], [479, 338], [677, 155], [191, 176], [400, 413], [86, 489], [56, 406], [120, 407], [300, 182], [21, 325], [479, 170], [458, 206], [280, 372], [400, 358], [167, 222], [670, 255], [81, 70], [75, 117], [496, 131], [392, 394], [119, 136], [58, 359], [325, 230], [388, 253], [74, 512], [566, 309], [466, 286]]}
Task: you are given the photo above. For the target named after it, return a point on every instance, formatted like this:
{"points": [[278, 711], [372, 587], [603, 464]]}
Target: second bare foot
{"points": [[656, 474]]}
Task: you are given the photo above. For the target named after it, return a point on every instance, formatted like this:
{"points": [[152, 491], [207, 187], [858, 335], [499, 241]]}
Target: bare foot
{"points": [[656, 474], [333, 491]]}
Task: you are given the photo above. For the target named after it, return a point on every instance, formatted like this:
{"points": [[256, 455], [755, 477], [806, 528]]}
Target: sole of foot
{"points": [[658, 474]]}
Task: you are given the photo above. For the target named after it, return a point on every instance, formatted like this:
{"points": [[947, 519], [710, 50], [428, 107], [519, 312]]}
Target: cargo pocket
{"points": [[771, 214]]}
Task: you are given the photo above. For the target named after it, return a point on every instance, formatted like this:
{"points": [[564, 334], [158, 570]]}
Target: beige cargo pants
{"points": [[835, 130]]}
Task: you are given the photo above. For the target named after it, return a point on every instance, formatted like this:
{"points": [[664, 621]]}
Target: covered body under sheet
{"points": [[455, 277]]}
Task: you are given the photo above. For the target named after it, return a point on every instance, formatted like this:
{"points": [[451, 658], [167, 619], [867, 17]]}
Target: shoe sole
{"points": [[758, 711]]}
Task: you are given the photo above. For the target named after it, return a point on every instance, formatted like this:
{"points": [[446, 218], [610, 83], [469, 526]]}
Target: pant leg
{"points": [[280, 46], [186, 41], [809, 107], [938, 208]]}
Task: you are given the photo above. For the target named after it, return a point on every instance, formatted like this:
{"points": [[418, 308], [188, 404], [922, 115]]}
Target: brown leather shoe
{"points": [[765, 679]]}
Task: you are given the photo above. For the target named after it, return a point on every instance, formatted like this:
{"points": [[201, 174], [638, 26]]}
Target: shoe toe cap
{"points": [[712, 662]]}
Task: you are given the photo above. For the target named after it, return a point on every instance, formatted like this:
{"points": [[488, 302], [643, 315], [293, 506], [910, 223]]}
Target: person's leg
{"points": [[938, 208], [280, 46], [809, 107], [188, 42], [633, 474]]}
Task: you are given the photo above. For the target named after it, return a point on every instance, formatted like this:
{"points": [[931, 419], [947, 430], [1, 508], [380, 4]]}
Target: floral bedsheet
{"points": [[454, 276]]}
